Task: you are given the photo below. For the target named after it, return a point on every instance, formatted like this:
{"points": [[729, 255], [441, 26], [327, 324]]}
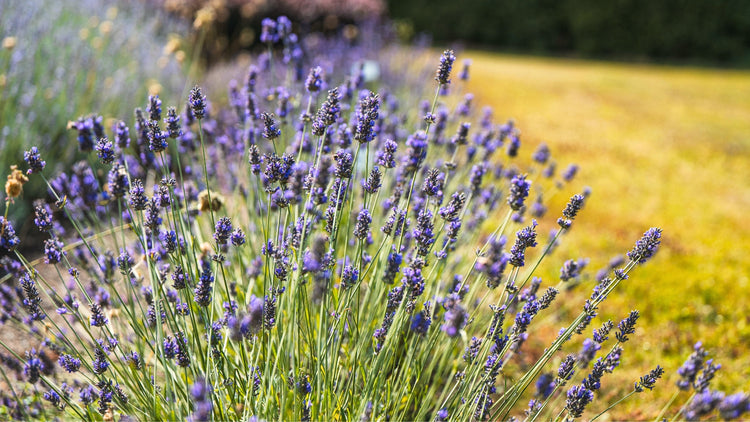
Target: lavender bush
{"points": [[317, 251], [63, 59]]}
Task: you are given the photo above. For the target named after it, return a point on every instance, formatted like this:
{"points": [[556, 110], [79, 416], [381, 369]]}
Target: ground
{"points": [[659, 146]]}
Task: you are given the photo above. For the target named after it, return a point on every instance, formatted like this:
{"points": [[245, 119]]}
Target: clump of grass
{"points": [[317, 251]]}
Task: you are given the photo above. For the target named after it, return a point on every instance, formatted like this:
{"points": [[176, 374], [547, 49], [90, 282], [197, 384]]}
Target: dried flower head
{"points": [[215, 204], [15, 182]]}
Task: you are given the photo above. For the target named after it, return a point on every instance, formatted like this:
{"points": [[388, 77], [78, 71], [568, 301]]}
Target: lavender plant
{"points": [[126, 50], [357, 262]]}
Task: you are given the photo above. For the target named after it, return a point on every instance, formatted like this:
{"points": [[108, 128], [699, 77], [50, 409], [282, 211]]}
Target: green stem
{"points": [[667, 406], [613, 405]]}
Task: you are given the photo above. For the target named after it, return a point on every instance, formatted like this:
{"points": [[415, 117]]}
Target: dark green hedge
{"points": [[703, 30]]}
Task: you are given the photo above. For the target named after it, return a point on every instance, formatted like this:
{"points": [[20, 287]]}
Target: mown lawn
{"points": [[659, 146]]}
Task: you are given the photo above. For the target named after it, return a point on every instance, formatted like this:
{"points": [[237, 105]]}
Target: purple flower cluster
{"points": [[646, 247], [204, 288], [271, 130], [571, 210], [519, 190], [200, 393], [34, 159], [223, 230], [328, 113], [578, 397], [648, 381], [8, 238], [443, 73], [31, 299], [455, 317], [197, 103], [314, 80], [386, 156], [367, 115], [525, 238]]}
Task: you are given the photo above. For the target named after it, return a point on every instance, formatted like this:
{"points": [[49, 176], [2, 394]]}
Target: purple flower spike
{"points": [[197, 103], [314, 80], [444, 68], [519, 190], [34, 160], [646, 247], [367, 114]]}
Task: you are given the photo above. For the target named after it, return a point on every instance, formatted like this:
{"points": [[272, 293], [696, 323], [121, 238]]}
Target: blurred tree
{"points": [[715, 31]]}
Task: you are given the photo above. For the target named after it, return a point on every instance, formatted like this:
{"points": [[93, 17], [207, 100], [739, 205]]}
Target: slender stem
{"points": [[613, 405], [667, 406], [684, 406], [559, 414], [205, 174]]}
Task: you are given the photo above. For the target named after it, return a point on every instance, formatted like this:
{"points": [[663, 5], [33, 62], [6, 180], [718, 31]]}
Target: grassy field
{"points": [[659, 146]]}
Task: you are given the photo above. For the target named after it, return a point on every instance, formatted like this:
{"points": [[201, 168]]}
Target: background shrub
{"points": [[63, 59], [227, 27]]}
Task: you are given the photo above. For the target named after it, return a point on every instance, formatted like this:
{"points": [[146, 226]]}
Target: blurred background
{"points": [[650, 98], [707, 32]]}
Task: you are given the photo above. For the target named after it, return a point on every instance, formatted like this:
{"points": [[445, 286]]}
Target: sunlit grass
{"points": [[659, 146]]}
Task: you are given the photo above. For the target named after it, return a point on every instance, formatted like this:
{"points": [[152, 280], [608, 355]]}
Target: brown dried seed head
{"points": [[16, 180], [9, 43], [216, 201]]}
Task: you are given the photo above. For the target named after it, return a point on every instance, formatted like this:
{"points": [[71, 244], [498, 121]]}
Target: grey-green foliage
{"points": [[68, 62]]}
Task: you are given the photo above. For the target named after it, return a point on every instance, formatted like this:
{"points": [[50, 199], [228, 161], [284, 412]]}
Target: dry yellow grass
{"points": [[660, 146]]}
